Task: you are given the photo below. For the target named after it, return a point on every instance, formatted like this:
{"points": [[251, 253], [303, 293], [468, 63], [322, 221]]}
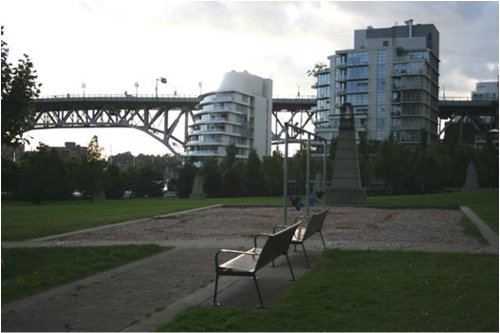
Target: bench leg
{"points": [[214, 303], [305, 255], [321, 235], [290, 266], [258, 291]]}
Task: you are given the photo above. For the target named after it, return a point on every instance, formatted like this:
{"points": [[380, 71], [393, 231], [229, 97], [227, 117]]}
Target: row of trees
{"points": [[427, 168], [231, 177], [384, 165], [44, 176]]}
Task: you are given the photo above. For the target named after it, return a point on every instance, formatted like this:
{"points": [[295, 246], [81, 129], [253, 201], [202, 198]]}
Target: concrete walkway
{"points": [[145, 294]]}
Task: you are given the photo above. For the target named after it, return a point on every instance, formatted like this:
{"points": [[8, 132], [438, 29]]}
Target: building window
{"points": [[357, 86], [354, 73], [357, 58], [382, 57], [357, 99], [323, 79], [323, 92]]}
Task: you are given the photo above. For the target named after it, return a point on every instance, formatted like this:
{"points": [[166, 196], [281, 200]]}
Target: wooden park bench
{"points": [[247, 263], [313, 225]]}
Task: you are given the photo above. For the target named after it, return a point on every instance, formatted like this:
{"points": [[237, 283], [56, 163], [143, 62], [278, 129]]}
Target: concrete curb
{"points": [[485, 230]]}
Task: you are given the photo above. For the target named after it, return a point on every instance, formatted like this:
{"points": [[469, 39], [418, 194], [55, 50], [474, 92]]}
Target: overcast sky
{"points": [[111, 45]]}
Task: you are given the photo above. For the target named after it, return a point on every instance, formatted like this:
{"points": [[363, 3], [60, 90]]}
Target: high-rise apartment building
{"points": [[238, 113], [485, 91], [391, 79]]}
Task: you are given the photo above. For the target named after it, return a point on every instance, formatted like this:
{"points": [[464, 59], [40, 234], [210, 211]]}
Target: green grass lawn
{"points": [[484, 202], [31, 270], [371, 291]]}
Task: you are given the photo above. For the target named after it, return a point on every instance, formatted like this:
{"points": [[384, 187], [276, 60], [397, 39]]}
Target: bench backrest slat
{"points": [[276, 245], [315, 224]]}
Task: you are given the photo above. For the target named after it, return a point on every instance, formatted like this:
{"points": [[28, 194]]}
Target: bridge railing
{"points": [[115, 96], [146, 96], [164, 96], [455, 98]]}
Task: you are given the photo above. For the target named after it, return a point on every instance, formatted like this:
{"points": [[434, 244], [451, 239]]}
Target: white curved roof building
{"points": [[238, 113]]}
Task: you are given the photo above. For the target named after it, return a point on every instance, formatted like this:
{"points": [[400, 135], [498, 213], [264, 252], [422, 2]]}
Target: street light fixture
{"points": [[162, 80]]}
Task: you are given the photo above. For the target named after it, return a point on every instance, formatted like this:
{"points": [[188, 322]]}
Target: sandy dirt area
{"points": [[342, 225]]}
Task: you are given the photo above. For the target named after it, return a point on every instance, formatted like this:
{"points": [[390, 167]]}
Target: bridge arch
{"points": [[157, 117]]}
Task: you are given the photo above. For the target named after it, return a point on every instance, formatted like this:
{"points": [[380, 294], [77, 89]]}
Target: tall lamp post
{"points": [[136, 89], [162, 80]]}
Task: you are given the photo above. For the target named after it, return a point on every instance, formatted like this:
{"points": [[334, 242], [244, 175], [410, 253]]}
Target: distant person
{"points": [[297, 203], [313, 200]]}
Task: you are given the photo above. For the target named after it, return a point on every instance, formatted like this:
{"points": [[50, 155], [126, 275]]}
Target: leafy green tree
{"points": [[438, 174], [75, 178], [42, 176], [114, 185], [318, 66], [331, 158], [19, 88], [10, 176], [487, 169], [148, 183], [94, 151], [232, 178], [364, 158], [272, 170], [462, 155], [185, 180], [297, 173], [212, 177], [253, 180], [393, 164], [93, 169], [229, 161], [155, 162], [129, 176], [122, 160]]}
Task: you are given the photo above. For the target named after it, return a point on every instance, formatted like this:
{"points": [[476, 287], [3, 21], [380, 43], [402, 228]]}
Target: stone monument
{"points": [[197, 191], [345, 187], [471, 183]]}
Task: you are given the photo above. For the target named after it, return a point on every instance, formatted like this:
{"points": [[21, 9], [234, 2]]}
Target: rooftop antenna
{"points": [[410, 24]]}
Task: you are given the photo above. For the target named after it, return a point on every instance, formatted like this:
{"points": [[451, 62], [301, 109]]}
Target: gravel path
{"points": [[374, 228]]}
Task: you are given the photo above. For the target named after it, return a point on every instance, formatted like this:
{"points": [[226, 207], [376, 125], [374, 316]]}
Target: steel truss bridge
{"points": [[460, 110], [166, 118]]}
